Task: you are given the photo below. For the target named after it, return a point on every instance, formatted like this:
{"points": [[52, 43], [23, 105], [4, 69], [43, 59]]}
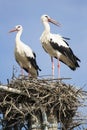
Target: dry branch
{"points": [[7, 89]]}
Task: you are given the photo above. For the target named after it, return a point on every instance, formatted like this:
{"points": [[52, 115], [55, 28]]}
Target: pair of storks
{"points": [[54, 44]]}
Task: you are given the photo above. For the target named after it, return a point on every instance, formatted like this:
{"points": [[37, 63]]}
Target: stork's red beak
{"points": [[54, 22], [13, 30]]}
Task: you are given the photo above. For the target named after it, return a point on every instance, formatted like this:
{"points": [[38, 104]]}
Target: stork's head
{"points": [[46, 18], [17, 28]]}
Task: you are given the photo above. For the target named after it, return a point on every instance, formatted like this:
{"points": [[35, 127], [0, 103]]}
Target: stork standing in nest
{"points": [[24, 55], [56, 46]]}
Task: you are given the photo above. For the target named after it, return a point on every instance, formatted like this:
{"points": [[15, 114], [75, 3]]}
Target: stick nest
{"points": [[37, 95]]}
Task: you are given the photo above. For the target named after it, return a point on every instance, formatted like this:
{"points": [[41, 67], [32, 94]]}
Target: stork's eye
{"points": [[18, 26], [46, 16]]}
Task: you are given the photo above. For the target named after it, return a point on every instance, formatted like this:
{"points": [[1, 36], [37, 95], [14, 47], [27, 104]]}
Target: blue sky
{"points": [[72, 14]]}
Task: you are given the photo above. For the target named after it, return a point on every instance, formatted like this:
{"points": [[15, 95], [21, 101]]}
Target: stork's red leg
{"points": [[29, 75], [58, 68], [22, 71], [52, 67]]}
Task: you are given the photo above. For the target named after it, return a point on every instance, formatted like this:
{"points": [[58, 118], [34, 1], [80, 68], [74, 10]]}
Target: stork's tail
{"points": [[75, 63]]}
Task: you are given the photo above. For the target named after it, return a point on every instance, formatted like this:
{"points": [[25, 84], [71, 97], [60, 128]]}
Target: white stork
{"points": [[24, 55], [56, 46]]}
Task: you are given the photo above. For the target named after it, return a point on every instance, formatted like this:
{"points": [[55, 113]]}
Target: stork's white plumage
{"points": [[24, 55], [57, 46]]}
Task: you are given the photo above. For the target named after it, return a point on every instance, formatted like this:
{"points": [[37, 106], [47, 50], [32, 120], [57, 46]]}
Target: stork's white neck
{"points": [[46, 26], [18, 35]]}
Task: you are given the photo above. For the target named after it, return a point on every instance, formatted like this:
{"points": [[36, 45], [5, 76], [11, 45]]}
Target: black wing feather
{"points": [[33, 63], [67, 51]]}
